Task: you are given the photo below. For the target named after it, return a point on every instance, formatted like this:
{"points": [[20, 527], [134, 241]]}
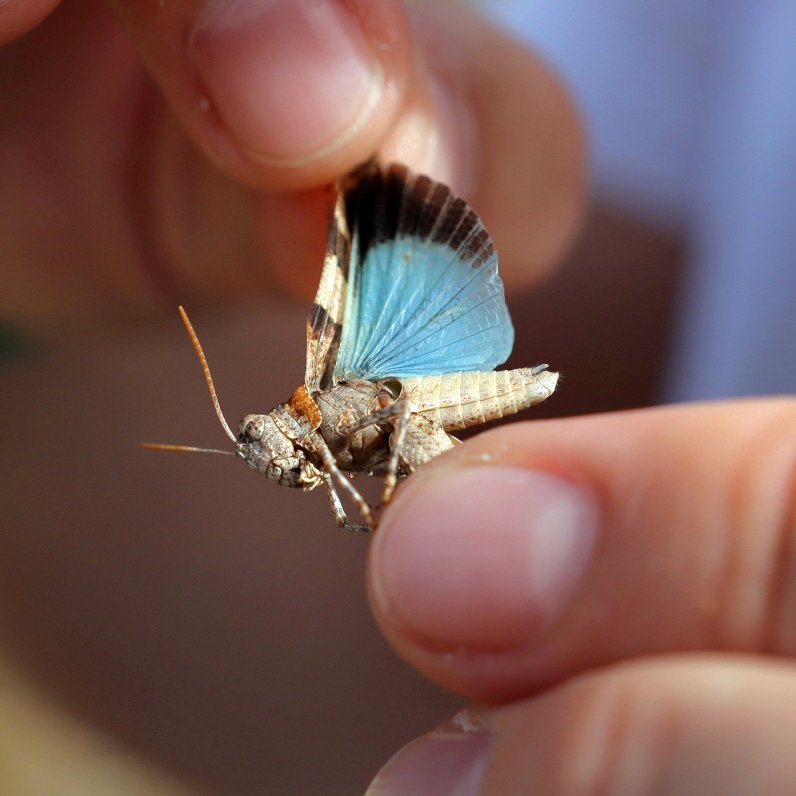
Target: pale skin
{"points": [[684, 572]]}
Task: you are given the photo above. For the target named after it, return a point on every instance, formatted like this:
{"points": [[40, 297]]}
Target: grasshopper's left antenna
{"points": [[157, 446], [206, 370], [160, 446]]}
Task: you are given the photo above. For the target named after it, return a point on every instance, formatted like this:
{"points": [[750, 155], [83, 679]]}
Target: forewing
{"points": [[424, 295], [324, 324]]}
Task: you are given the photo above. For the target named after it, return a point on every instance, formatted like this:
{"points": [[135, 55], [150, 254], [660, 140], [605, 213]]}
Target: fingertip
{"points": [[293, 83], [301, 91], [280, 94], [480, 559]]}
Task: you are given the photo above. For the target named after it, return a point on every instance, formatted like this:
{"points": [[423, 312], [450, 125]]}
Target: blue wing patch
{"points": [[424, 295]]}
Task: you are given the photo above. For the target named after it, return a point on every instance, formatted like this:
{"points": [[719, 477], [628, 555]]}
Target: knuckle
{"points": [[760, 572], [779, 612], [654, 726], [609, 745]]}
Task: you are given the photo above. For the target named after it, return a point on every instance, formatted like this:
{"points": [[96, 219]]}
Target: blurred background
{"points": [[174, 625]]}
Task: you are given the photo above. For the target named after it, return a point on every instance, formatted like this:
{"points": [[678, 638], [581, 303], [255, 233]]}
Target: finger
{"points": [[20, 16], [154, 223], [279, 93], [151, 220], [464, 102], [671, 728], [539, 550]]}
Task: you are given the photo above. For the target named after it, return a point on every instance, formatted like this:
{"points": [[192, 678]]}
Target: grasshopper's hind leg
{"points": [[397, 438], [415, 440]]}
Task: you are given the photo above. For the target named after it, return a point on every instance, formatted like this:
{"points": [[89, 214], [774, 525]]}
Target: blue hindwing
{"points": [[424, 295]]}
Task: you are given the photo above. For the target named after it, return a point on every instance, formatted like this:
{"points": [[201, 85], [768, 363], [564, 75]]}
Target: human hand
{"points": [[622, 587], [117, 196]]}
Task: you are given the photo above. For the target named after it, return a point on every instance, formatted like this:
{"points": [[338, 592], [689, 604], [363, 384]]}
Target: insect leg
{"points": [[317, 444], [379, 416], [396, 443], [337, 508], [424, 440]]}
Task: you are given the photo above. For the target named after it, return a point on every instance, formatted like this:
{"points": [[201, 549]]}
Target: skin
{"points": [[664, 665], [670, 621]]}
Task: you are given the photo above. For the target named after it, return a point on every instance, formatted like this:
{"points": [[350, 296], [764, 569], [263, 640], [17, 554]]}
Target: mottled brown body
{"points": [[342, 408], [357, 420]]}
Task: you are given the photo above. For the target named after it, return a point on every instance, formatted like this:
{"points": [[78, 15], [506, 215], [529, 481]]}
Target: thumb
{"points": [[541, 550]]}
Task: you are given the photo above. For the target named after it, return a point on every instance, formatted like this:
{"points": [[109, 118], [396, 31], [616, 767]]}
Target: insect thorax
{"points": [[343, 406]]}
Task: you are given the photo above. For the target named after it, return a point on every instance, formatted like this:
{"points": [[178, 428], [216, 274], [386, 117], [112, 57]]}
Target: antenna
{"points": [[208, 378], [159, 446]]}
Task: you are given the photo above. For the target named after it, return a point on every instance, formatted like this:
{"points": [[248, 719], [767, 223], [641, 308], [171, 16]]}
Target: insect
{"points": [[407, 328]]}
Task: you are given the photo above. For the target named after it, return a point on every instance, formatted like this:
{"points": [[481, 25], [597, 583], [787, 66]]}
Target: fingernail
{"points": [[292, 80], [482, 558], [449, 761]]}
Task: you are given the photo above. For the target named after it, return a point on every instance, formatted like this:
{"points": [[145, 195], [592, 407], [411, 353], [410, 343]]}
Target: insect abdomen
{"points": [[465, 399]]}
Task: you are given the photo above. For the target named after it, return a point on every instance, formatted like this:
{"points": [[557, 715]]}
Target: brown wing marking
{"points": [[395, 203], [325, 321], [376, 206]]}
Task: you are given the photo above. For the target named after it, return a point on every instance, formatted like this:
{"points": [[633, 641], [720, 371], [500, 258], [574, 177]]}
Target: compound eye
{"points": [[251, 428]]}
